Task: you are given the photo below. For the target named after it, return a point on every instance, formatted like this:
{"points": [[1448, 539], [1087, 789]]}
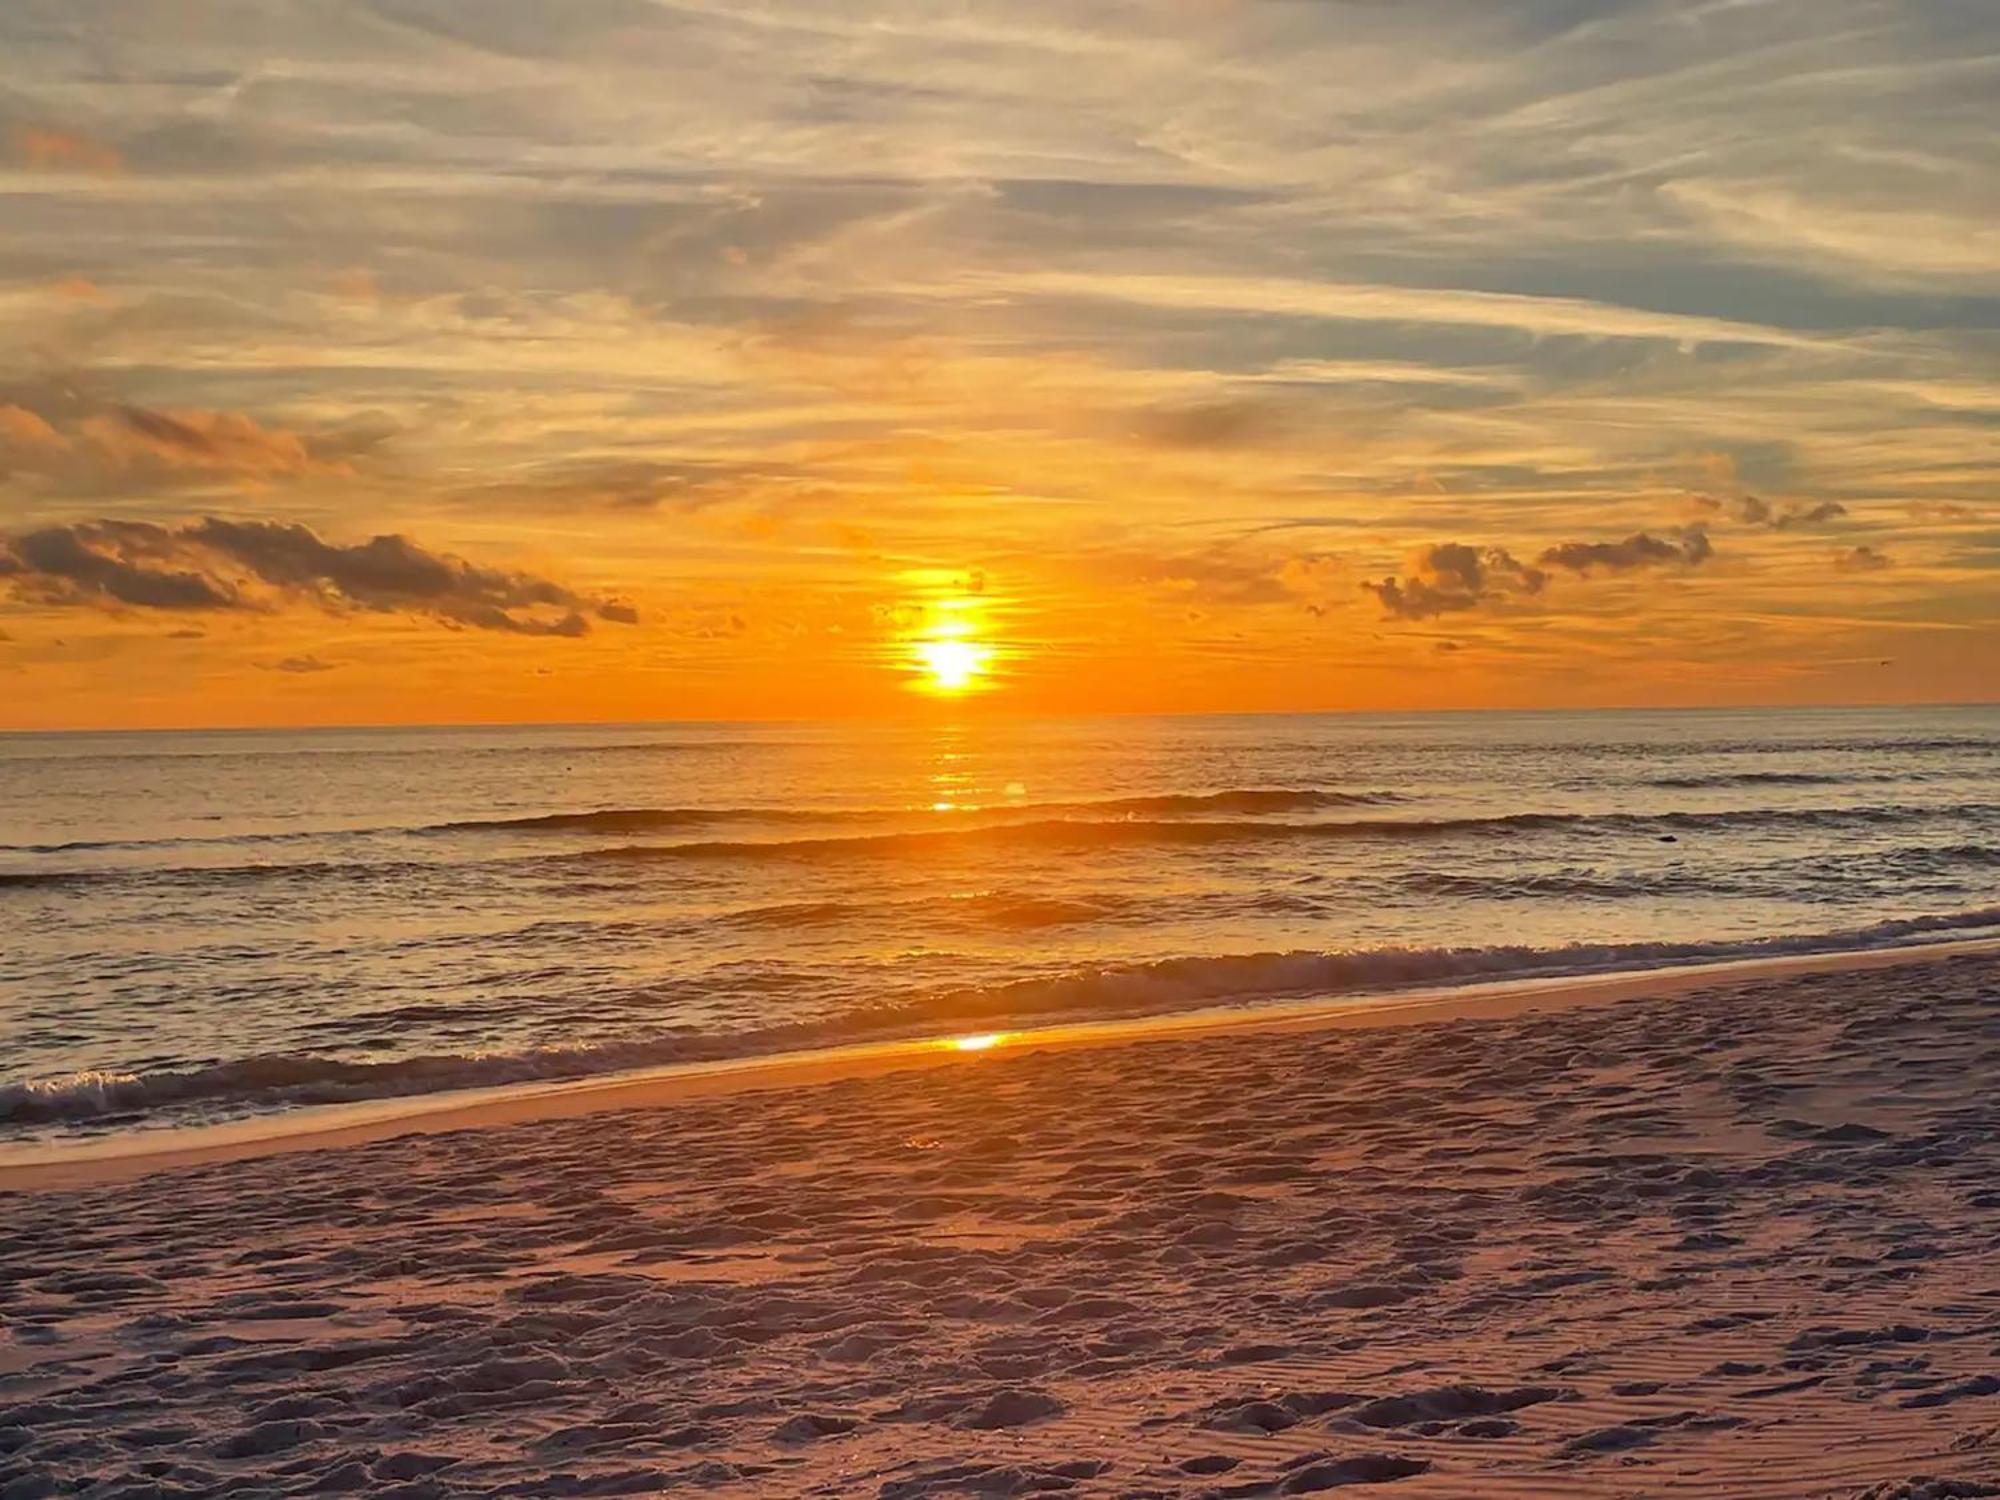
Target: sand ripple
{"points": [[1735, 1243]]}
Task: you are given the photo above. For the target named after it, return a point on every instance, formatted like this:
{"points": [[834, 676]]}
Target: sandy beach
{"points": [[877, 750], [1737, 1239]]}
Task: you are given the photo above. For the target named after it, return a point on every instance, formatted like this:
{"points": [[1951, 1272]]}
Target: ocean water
{"points": [[196, 926]]}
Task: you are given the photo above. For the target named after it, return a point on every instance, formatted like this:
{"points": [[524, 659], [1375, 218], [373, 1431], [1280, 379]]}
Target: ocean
{"points": [[198, 926]]}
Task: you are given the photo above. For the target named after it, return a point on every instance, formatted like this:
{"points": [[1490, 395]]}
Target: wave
{"points": [[187, 841], [1657, 748], [608, 820], [1075, 833], [1066, 833], [632, 819], [200, 875], [1783, 879], [625, 819], [1250, 800], [250, 750], [976, 909], [1724, 779], [1157, 987], [1563, 884]]}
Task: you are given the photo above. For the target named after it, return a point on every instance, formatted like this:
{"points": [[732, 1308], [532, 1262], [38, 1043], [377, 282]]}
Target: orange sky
{"points": [[636, 360]]}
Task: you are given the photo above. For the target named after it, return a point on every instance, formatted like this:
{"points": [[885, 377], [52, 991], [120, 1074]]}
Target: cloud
{"points": [[1897, 240], [23, 429], [302, 664], [1640, 550], [1789, 515], [43, 150], [1794, 516], [213, 441], [90, 446], [1383, 303], [1447, 577], [1220, 573], [629, 484], [786, 309], [215, 564], [1862, 559], [121, 562], [1210, 424]]}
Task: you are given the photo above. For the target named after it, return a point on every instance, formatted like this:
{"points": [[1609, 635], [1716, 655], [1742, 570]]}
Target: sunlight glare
{"points": [[984, 1042], [952, 663]]}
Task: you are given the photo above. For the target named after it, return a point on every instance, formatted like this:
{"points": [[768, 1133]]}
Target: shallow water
{"points": [[204, 924]]}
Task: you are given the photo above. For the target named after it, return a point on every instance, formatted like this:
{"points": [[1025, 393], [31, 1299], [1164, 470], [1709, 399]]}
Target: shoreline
{"points": [[1732, 1239], [333, 1127]]}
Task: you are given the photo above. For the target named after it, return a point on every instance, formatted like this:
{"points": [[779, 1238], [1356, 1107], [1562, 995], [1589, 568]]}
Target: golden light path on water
{"points": [[984, 1042]]}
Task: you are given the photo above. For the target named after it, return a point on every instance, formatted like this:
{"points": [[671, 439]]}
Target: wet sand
{"points": [[122, 1158], [1718, 1234]]}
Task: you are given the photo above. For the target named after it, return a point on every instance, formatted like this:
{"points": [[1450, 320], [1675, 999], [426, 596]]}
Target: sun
{"points": [[952, 664]]}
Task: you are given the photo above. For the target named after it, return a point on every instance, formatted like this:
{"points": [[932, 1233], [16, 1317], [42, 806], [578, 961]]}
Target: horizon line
{"points": [[884, 720]]}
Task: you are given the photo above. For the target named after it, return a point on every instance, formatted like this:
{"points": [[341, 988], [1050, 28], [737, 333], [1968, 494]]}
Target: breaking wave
{"points": [[1158, 987]]}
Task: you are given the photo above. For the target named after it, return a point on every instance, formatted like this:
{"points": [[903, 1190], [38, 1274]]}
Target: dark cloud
{"points": [[1688, 548], [217, 564], [1862, 559], [1451, 576], [123, 562], [1790, 517], [1641, 551], [1754, 510], [302, 664]]}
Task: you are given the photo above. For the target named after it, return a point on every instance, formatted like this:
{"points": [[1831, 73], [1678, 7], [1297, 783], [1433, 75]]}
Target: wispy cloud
{"points": [[40, 149], [1382, 303], [1181, 330]]}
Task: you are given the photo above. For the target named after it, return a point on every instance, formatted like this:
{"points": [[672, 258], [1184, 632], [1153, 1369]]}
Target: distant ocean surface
{"points": [[203, 925]]}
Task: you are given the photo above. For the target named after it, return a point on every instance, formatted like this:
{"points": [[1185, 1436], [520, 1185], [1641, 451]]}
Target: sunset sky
{"points": [[421, 360]]}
